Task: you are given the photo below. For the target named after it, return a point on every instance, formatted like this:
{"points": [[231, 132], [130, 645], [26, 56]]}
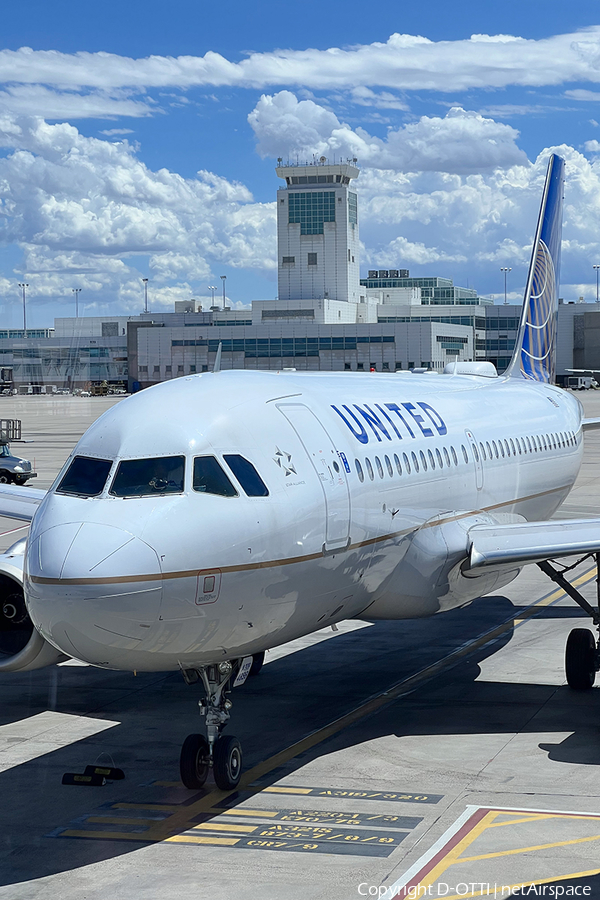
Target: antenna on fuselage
{"points": [[217, 365]]}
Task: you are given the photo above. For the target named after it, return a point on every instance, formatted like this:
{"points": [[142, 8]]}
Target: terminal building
{"points": [[325, 318]]}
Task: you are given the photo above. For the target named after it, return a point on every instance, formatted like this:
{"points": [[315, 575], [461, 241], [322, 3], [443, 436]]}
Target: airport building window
{"points": [[359, 471], [310, 209], [148, 477], [247, 475], [85, 477], [209, 478], [312, 259]]}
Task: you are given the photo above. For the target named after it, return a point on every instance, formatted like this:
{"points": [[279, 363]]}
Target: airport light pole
{"points": [[212, 288], [145, 280], [597, 268], [224, 279], [77, 292], [23, 285], [506, 271]]}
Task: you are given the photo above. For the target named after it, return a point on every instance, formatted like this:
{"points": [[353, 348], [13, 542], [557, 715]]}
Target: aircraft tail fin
{"points": [[534, 356]]}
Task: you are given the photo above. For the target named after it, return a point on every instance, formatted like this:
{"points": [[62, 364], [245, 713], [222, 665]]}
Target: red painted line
{"points": [[12, 530], [454, 840]]}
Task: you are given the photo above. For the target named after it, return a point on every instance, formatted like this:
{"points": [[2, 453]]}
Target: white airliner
{"points": [[207, 519]]}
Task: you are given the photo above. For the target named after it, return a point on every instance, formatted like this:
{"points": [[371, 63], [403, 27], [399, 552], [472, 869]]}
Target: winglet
{"points": [[534, 357], [217, 365]]}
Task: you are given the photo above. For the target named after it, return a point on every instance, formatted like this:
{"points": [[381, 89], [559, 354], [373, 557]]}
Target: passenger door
{"points": [[477, 460], [328, 466]]}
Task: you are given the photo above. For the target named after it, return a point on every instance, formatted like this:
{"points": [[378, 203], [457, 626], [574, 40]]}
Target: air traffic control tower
{"points": [[317, 232]]}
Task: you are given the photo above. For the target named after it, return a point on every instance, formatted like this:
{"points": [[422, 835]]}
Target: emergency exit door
{"points": [[328, 466]]}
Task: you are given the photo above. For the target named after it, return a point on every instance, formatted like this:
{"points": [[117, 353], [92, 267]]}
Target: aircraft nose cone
{"points": [[90, 587]]}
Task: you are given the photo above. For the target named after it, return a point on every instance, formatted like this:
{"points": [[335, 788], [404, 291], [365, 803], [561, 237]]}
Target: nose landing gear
{"points": [[223, 754]]}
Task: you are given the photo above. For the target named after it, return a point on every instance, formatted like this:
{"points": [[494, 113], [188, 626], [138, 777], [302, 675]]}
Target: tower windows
{"points": [[312, 259]]}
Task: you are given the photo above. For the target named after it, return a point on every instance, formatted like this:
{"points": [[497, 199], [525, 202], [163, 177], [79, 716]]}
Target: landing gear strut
{"points": [[199, 753], [582, 653]]}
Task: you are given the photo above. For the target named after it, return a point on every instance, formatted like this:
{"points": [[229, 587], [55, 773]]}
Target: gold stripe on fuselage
{"points": [[288, 561]]}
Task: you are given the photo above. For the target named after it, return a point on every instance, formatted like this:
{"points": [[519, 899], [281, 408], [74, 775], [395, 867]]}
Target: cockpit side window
{"points": [[247, 475], [4, 450], [85, 477], [148, 477], [210, 478]]}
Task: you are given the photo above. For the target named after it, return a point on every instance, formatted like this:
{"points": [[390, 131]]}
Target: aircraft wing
{"points": [[530, 542], [18, 502], [590, 424]]}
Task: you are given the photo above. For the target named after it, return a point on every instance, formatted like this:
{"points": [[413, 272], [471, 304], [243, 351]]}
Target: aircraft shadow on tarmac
{"points": [[293, 696]]}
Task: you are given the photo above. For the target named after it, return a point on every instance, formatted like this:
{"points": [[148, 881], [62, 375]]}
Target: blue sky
{"points": [[107, 121]]}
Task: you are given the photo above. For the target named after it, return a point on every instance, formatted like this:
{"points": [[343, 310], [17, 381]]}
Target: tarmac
{"points": [[443, 758]]}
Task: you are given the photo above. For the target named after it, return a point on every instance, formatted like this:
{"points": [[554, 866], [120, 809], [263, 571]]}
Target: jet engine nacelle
{"points": [[22, 648]]}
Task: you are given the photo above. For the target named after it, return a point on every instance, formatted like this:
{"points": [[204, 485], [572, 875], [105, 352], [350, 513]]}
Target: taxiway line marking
{"points": [[171, 827], [527, 882], [180, 820], [226, 826], [516, 851]]}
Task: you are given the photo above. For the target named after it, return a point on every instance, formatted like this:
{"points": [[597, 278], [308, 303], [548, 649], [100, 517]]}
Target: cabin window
{"points": [[390, 468], [482, 451], [439, 458], [475, 453], [501, 448], [369, 468], [398, 466], [359, 471], [512, 447], [529, 445], [454, 456], [415, 461], [379, 467], [495, 446], [464, 453], [85, 477], [544, 436], [406, 463], [423, 460], [431, 459], [148, 477], [507, 447], [247, 475], [447, 457], [489, 449]]}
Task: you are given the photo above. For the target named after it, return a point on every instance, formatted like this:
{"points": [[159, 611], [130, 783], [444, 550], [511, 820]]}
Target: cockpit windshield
{"points": [[85, 477], [147, 477]]}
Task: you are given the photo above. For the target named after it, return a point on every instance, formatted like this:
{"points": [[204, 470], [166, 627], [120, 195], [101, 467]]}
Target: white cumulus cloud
{"points": [[460, 142]]}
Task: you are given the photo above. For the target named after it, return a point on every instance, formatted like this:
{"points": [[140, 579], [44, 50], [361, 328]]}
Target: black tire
{"points": [[194, 761], [257, 663], [4, 477], [580, 659], [227, 762]]}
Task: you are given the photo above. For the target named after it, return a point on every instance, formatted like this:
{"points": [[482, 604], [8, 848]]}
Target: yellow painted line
{"points": [[196, 839], [118, 820], [584, 840], [453, 856], [532, 818], [182, 815], [284, 790], [526, 882], [162, 807], [258, 813], [217, 826]]}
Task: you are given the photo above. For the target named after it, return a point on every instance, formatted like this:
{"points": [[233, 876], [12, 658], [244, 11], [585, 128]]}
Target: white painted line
{"points": [[44, 733], [393, 890]]}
